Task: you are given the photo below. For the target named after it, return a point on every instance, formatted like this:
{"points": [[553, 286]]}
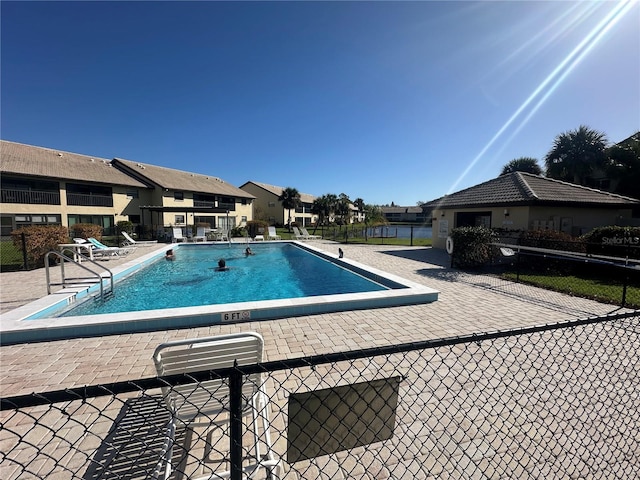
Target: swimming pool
{"points": [[37, 321], [274, 271]]}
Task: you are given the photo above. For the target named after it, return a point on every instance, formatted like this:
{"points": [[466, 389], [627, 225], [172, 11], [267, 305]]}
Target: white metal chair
{"points": [[201, 235], [178, 236], [306, 234], [130, 241], [272, 235], [209, 400], [298, 235]]}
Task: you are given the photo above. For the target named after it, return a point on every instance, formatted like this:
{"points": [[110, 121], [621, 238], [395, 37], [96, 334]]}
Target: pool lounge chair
{"points": [[100, 249], [272, 235], [308, 235], [201, 235], [128, 241], [208, 400], [177, 236], [297, 235]]}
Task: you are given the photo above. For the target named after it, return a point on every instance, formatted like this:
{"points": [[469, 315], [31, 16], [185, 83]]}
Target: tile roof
{"points": [[21, 159], [304, 197], [179, 180], [520, 188]]}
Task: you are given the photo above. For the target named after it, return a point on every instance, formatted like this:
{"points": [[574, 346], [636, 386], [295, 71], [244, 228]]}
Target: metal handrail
{"points": [[64, 257]]}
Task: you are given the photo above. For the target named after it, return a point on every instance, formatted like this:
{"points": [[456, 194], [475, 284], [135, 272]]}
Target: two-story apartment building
{"points": [[41, 186], [268, 207], [179, 198], [405, 214]]}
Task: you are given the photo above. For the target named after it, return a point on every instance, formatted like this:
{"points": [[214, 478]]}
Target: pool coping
{"points": [[16, 327]]}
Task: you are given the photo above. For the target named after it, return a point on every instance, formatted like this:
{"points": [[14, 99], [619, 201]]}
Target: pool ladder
{"points": [[105, 293]]}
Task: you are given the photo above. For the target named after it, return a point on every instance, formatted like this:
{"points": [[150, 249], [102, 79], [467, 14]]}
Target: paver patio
{"points": [[467, 304]]}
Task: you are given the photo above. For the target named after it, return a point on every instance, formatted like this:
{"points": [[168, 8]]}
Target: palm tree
{"points": [[343, 208], [624, 166], [576, 154], [522, 164], [290, 198], [359, 204]]}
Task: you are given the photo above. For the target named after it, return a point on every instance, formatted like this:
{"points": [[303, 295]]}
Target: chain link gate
{"points": [[554, 401]]}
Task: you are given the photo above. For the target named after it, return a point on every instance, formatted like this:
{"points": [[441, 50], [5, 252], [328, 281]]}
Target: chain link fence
{"points": [[577, 269], [553, 401], [13, 258]]}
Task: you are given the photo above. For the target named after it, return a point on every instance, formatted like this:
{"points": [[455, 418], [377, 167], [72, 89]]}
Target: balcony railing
{"points": [[204, 203], [89, 200], [30, 196], [209, 204]]}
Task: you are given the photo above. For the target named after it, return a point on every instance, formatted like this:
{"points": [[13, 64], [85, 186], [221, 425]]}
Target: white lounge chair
{"points": [[298, 235], [308, 235], [130, 241], [208, 400], [177, 236], [272, 235], [201, 235], [100, 249]]}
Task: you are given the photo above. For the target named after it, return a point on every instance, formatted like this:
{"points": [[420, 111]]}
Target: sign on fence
{"points": [[341, 418]]}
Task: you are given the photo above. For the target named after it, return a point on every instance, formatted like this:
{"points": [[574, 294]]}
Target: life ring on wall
{"points": [[449, 245]]}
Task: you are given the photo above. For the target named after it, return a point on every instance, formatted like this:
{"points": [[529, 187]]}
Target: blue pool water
{"points": [[276, 271]]}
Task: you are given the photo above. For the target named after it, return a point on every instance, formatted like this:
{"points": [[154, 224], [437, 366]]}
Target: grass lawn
{"points": [[607, 291], [10, 256]]}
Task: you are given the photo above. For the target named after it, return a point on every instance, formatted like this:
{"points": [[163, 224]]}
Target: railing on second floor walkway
{"points": [[41, 197], [89, 200]]}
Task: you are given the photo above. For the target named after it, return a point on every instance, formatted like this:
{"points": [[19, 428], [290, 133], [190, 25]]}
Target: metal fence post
{"points": [[24, 251], [235, 428]]}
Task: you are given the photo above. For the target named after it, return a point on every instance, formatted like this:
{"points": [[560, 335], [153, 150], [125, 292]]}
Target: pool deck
{"points": [[466, 304]]}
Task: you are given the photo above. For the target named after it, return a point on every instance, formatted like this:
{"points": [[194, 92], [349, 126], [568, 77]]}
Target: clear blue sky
{"points": [[387, 101]]}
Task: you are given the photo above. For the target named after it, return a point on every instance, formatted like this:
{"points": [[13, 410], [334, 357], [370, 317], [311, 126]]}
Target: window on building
{"points": [[133, 193], [105, 221], [134, 218], [211, 221], [178, 195], [179, 220]]}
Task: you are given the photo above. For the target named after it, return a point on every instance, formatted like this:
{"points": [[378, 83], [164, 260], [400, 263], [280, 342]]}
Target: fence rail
{"points": [[551, 401], [609, 275]]}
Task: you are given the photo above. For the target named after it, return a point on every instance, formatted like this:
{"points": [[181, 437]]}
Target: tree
{"points": [[522, 164], [373, 215], [323, 207], [576, 154], [359, 204], [343, 208], [623, 166], [290, 198]]}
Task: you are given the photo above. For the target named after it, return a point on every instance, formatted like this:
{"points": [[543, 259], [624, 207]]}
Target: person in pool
{"points": [[169, 255], [222, 266], [248, 252]]}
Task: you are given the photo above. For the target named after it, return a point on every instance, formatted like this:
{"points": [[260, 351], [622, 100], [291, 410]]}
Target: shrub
{"points": [[614, 241], [472, 245], [552, 240], [257, 227], [125, 226], [238, 231], [86, 230], [39, 240]]}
